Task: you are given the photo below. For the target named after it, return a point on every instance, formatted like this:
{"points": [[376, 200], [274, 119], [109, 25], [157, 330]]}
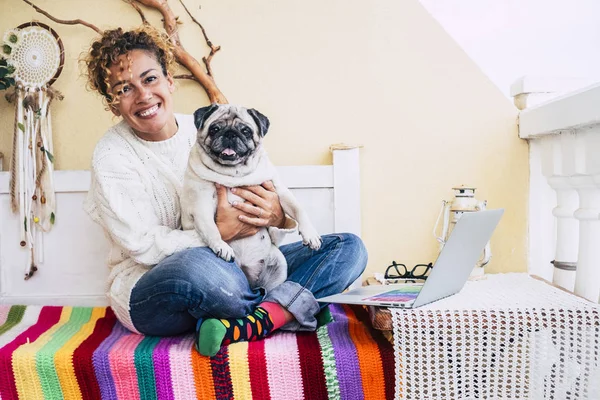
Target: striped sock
{"points": [[213, 333]]}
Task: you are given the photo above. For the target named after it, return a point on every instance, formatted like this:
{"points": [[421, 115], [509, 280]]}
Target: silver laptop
{"points": [[448, 275]]}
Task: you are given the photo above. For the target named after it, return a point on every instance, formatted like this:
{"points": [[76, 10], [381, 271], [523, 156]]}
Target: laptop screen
{"points": [[402, 295]]}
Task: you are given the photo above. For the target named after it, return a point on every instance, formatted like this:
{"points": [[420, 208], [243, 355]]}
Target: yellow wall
{"points": [[382, 74]]}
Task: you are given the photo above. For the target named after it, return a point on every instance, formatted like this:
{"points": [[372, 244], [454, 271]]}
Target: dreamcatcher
{"points": [[37, 54]]}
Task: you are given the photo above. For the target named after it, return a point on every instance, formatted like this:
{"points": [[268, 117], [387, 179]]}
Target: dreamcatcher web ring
{"points": [[58, 41]]}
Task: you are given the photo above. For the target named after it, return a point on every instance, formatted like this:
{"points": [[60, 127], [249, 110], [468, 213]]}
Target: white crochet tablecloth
{"points": [[507, 337]]}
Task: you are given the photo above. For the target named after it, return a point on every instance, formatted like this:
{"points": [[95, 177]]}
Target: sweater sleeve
{"points": [[278, 234], [120, 201]]}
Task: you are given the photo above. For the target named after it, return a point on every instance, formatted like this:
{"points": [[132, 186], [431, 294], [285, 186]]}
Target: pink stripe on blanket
{"points": [[4, 314], [122, 366], [182, 375], [283, 366]]}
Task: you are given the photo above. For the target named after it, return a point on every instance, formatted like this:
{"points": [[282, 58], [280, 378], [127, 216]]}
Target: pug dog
{"points": [[229, 151]]}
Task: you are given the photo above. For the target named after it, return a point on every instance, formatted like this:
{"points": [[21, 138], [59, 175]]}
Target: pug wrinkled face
{"points": [[229, 134]]}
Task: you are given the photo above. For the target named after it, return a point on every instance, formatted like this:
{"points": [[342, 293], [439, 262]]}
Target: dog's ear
{"points": [[261, 121], [202, 114]]}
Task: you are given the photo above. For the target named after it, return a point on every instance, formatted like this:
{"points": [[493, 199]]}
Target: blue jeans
{"points": [[195, 283]]}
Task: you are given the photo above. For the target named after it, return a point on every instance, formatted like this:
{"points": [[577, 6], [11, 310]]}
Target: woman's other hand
{"points": [[229, 219], [262, 207]]}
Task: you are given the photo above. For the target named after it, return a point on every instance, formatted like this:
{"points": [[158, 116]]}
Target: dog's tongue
{"points": [[228, 152]]}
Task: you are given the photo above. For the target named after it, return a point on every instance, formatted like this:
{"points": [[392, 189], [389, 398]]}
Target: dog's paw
{"points": [[223, 250], [311, 238], [314, 242]]}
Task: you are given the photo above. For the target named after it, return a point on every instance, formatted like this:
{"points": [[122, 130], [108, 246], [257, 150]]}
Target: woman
{"points": [[161, 281]]}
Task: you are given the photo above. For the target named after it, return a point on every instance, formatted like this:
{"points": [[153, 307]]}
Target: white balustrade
{"points": [[564, 136], [567, 232]]}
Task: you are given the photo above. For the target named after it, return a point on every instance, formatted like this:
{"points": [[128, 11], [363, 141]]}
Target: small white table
{"points": [[509, 336]]}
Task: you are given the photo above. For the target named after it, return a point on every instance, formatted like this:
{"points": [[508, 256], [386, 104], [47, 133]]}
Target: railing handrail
{"points": [[573, 110]]}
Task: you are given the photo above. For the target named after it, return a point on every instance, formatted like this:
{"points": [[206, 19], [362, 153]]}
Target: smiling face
{"points": [[144, 95]]}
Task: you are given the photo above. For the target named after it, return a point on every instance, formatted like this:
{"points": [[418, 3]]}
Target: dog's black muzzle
{"points": [[231, 140]]}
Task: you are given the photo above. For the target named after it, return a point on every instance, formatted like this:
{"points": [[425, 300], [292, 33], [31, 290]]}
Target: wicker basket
{"points": [[381, 317]]}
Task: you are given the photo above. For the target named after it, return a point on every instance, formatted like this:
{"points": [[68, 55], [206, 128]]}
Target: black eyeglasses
{"points": [[399, 271]]}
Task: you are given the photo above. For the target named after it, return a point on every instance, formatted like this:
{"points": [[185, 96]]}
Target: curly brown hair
{"points": [[106, 50]]}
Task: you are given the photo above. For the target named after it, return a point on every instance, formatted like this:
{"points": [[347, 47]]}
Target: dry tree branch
{"points": [[139, 10], [169, 19], [198, 23], [183, 57], [62, 21], [186, 76], [213, 48], [208, 59]]}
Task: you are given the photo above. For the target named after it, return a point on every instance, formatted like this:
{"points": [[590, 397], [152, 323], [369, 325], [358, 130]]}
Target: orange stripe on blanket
{"points": [[369, 359], [202, 376]]}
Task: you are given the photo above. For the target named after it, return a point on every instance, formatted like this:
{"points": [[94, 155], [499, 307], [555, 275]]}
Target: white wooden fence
{"points": [[74, 271]]}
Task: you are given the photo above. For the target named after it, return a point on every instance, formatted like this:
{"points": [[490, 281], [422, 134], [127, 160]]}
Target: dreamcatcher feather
{"points": [[38, 58]]}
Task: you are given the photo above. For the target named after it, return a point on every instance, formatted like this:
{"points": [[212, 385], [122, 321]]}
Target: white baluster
{"points": [[581, 148], [567, 232], [554, 156], [587, 281]]}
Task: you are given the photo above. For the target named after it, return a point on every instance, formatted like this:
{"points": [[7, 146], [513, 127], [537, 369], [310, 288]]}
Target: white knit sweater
{"points": [[134, 196]]}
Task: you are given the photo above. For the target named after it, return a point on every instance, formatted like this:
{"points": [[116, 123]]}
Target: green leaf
{"points": [[6, 70], [52, 218], [25, 224], [50, 156], [5, 83], [21, 127]]}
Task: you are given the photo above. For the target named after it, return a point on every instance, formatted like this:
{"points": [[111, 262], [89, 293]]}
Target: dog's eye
{"points": [[246, 131], [214, 129]]}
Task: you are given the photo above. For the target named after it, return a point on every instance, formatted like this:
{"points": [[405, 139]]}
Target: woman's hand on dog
{"points": [[261, 208], [228, 219]]}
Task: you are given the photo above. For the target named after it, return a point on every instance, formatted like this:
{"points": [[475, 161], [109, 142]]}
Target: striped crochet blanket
{"points": [[85, 353]]}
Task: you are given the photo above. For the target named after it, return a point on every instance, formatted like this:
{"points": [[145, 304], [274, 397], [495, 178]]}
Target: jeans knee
{"points": [[221, 287], [357, 254], [229, 299], [230, 304]]}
